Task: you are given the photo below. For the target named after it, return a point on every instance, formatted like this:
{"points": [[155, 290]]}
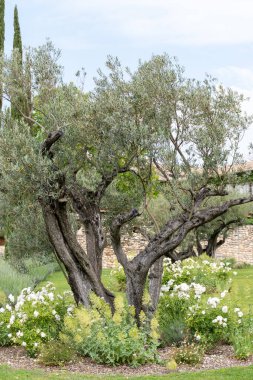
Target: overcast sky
{"points": [[207, 36]]}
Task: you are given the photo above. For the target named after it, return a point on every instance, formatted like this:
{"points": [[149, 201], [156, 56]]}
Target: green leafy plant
{"points": [[56, 354], [120, 276], [172, 312], [189, 353], [241, 337], [34, 318], [111, 339]]}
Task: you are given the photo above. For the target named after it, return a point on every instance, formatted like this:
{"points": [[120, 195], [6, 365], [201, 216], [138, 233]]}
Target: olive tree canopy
{"points": [[79, 152]]}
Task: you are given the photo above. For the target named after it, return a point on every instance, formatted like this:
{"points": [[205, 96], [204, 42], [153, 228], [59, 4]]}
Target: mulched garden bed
{"points": [[220, 357]]}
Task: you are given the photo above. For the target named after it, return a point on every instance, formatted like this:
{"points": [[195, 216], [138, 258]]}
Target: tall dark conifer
{"points": [[17, 41], [2, 37], [17, 100]]}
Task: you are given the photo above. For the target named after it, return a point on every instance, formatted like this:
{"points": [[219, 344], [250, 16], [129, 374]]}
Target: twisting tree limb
{"points": [[115, 228], [50, 140]]}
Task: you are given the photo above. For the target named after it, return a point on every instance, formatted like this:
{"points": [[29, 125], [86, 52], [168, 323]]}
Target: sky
{"points": [[207, 36]]}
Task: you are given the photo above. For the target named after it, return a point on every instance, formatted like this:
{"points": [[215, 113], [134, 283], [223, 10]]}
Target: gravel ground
{"points": [[220, 357]]}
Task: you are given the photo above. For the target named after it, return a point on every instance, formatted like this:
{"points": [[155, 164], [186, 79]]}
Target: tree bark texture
{"points": [[82, 277]]}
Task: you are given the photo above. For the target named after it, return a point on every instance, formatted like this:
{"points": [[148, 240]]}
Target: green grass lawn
{"points": [[242, 289], [60, 282], [242, 373]]}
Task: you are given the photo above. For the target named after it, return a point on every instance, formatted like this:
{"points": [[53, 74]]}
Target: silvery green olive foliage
{"points": [[110, 149]]}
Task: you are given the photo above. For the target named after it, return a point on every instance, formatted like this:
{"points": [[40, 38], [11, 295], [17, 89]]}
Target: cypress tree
{"points": [[2, 37], [18, 100], [17, 41]]}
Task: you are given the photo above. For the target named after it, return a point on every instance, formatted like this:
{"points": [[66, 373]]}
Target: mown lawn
{"points": [[242, 289], [242, 373], [60, 282]]}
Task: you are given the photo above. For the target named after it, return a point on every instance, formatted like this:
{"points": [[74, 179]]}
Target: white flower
{"points": [[69, 309], [213, 301], [223, 294], [19, 334], [12, 319], [2, 310], [236, 309], [198, 337], [42, 334], [36, 313], [57, 317], [240, 314], [51, 296], [224, 309], [9, 335], [203, 312], [220, 320], [239, 321], [8, 307], [53, 312], [23, 344], [11, 298], [198, 289], [184, 287], [35, 344]]}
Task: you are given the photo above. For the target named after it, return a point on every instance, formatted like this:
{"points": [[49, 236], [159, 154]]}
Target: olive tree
{"points": [[110, 149]]}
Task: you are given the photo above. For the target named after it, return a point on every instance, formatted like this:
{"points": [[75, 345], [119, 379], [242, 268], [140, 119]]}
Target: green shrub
{"points": [[56, 354], [111, 339], [5, 334], [189, 353], [185, 311], [242, 338], [120, 277], [35, 318], [13, 281], [242, 345], [214, 275], [172, 314]]}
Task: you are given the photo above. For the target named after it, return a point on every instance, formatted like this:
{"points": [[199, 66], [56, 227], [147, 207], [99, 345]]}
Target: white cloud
{"points": [[186, 22], [241, 77]]}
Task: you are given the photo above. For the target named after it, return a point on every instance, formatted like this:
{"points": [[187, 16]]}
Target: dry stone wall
{"points": [[239, 245], [131, 245]]}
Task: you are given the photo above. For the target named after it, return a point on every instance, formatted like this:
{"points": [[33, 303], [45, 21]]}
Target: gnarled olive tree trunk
{"points": [[82, 275]]}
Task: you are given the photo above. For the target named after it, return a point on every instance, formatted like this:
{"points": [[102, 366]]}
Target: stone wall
{"points": [[239, 245], [131, 245]]}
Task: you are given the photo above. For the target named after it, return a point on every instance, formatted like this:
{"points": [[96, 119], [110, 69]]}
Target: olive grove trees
{"points": [[108, 149]]}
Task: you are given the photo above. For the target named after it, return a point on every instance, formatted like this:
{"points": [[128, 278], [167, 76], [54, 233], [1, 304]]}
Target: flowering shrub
{"points": [[189, 353], [35, 317], [209, 319], [5, 335], [212, 319], [111, 339], [207, 272]]}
